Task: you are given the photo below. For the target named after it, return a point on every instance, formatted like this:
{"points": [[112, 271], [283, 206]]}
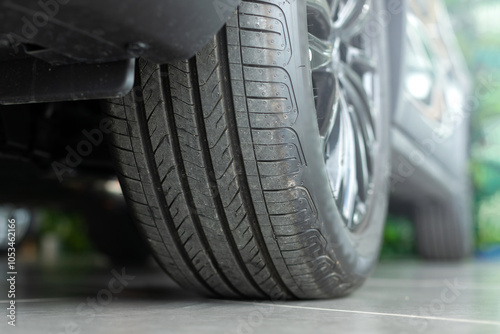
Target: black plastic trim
{"points": [[31, 80], [110, 30]]}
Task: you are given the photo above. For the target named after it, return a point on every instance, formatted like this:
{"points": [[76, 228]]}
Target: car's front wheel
{"points": [[258, 168]]}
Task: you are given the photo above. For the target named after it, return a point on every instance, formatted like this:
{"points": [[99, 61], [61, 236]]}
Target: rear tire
{"points": [[444, 229], [222, 164]]}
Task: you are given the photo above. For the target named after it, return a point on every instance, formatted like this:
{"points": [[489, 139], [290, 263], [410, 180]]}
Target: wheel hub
{"points": [[343, 70]]}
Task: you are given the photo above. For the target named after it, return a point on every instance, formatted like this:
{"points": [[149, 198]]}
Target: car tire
{"points": [[221, 160], [444, 229]]}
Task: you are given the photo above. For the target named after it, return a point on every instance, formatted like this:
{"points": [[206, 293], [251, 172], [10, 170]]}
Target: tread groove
{"points": [[176, 148], [167, 218], [238, 158], [210, 171]]}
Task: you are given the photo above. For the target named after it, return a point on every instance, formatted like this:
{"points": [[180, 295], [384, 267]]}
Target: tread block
{"points": [[212, 166]]}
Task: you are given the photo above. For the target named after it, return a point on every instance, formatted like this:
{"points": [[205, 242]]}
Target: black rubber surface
{"points": [[221, 162], [444, 229]]}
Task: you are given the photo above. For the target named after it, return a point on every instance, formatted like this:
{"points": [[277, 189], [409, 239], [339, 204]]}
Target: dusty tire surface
{"points": [[220, 160]]}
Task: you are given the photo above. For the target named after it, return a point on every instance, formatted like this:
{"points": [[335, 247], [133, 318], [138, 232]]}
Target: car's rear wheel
{"points": [[444, 228], [258, 167]]}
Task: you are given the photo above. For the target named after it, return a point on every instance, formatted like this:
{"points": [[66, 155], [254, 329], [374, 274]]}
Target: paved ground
{"points": [[401, 297]]}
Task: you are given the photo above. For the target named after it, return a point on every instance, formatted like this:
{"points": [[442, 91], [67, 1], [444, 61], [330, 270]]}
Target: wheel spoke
{"points": [[349, 173], [343, 70], [359, 212], [320, 52], [362, 155], [334, 7], [327, 102], [336, 146], [356, 95], [352, 17], [359, 59], [318, 11]]}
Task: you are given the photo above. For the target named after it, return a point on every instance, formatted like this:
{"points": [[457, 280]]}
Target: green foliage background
{"points": [[480, 42]]}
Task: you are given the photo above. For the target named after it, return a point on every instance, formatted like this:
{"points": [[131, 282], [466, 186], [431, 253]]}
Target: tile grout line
{"points": [[471, 321], [405, 283], [37, 300]]}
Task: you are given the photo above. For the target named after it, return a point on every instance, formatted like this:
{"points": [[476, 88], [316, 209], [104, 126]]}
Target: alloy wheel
{"points": [[346, 91]]}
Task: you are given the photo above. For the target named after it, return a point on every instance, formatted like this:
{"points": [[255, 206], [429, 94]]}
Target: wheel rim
{"points": [[345, 82]]}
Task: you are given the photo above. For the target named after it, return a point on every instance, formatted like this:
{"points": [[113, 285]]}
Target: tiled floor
{"points": [[401, 297]]}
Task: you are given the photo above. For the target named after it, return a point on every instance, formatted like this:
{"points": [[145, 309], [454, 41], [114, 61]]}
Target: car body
{"points": [[431, 123], [96, 43]]}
